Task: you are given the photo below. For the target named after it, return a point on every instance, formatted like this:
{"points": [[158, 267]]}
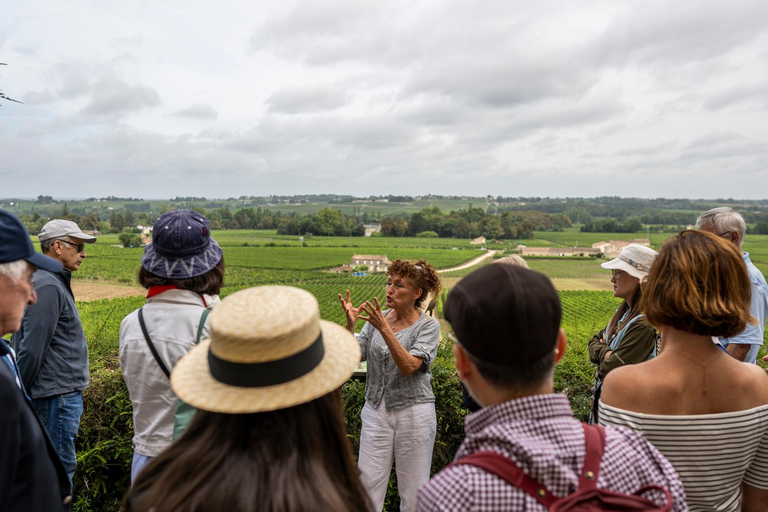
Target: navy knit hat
{"points": [[181, 246], [15, 244], [505, 314]]}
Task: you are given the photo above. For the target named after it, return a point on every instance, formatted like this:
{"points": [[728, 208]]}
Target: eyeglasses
{"points": [[78, 247], [616, 273]]}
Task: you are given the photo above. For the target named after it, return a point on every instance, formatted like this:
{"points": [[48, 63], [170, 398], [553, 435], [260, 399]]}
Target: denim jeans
{"points": [[137, 464], [61, 417]]}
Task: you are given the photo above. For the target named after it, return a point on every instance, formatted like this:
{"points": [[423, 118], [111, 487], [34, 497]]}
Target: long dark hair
{"points": [[291, 459]]}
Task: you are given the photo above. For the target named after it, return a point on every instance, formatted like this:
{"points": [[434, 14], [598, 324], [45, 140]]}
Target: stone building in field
{"points": [[612, 248], [376, 263], [557, 251]]}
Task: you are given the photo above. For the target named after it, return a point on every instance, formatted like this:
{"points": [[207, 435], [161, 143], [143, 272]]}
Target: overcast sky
{"points": [[514, 98]]}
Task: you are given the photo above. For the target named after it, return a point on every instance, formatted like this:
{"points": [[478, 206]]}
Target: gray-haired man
{"points": [[729, 224], [51, 348], [32, 477]]}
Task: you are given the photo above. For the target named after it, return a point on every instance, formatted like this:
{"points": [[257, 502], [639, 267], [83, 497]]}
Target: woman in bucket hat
{"points": [[628, 338], [269, 432], [183, 271]]}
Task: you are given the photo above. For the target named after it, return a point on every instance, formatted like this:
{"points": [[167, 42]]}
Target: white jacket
{"points": [[172, 319]]}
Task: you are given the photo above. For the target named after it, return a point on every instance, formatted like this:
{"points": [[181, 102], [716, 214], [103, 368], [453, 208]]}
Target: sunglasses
{"points": [[78, 247], [617, 273]]}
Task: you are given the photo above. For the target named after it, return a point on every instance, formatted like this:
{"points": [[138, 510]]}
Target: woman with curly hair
{"points": [[398, 419]]}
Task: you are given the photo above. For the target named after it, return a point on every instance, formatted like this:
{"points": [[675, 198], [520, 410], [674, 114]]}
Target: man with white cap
{"points": [[51, 347], [728, 224], [32, 477]]}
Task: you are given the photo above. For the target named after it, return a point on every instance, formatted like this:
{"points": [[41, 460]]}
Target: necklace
{"points": [[703, 366]]}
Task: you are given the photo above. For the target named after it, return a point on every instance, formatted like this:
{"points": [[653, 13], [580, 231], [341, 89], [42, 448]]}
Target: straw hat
{"points": [[268, 350], [634, 259]]}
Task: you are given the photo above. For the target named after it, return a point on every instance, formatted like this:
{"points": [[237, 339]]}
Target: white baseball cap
{"points": [[59, 228]]}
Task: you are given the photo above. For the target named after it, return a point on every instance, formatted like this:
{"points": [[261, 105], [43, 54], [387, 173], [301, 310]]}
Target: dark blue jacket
{"points": [[50, 346], [32, 477]]}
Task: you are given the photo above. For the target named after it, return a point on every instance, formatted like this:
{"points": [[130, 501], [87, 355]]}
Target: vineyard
{"points": [[256, 258]]}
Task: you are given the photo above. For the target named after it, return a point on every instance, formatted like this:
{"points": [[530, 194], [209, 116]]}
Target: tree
{"points": [[2, 95], [129, 240]]}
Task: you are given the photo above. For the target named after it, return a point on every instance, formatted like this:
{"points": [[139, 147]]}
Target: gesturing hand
{"points": [[350, 311], [375, 316]]}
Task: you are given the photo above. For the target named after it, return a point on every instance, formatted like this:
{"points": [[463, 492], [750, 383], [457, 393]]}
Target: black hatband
{"points": [[269, 373]]}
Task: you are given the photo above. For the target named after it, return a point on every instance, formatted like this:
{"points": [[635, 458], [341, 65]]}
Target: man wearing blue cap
{"points": [[50, 345], [32, 478]]}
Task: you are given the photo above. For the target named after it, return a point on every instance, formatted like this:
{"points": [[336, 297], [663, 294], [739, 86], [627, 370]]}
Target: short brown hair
{"points": [[423, 276], [209, 283], [698, 284]]}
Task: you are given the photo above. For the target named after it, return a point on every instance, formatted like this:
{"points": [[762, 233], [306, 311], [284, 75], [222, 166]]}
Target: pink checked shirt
{"points": [[540, 434]]}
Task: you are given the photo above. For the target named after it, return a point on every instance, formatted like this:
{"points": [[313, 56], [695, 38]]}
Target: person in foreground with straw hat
{"points": [[183, 271], [703, 409], [269, 433], [398, 419], [628, 338]]}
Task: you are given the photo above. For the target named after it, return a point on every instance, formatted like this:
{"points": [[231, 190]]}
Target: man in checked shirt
{"points": [[507, 323]]}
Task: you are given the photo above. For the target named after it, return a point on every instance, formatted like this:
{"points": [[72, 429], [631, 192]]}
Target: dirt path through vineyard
{"points": [[93, 290]]}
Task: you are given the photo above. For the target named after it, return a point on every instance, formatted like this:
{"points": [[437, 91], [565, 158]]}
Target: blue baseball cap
{"points": [[15, 244]]}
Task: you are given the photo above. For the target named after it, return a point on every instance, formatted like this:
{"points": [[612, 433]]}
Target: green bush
{"points": [[427, 234], [103, 444]]}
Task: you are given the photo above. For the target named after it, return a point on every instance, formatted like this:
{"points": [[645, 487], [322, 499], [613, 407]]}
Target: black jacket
{"points": [[32, 477]]}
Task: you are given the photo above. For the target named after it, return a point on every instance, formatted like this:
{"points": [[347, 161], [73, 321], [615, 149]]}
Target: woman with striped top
{"points": [[704, 410]]}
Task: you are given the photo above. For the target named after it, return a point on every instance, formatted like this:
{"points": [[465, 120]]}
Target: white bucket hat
{"points": [[268, 350], [634, 259]]}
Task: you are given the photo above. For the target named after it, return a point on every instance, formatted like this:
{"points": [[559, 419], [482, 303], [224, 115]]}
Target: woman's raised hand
{"points": [[375, 316], [350, 311]]}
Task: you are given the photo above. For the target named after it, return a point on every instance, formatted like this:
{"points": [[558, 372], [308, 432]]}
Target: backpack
{"points": [[587, 497]]}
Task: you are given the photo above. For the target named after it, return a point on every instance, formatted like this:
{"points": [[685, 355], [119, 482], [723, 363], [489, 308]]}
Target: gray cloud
{"points": [[307, 99], [197, 111], [111, 95]]}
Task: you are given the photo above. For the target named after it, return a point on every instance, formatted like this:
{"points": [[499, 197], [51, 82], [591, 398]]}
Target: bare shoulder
{"points": [[620, 386], [757, 381]]}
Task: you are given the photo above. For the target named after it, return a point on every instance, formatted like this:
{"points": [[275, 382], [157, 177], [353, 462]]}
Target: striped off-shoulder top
{"points": [[712, 453]]}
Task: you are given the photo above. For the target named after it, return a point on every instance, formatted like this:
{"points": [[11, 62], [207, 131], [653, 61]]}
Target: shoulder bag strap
{"points": [[620, 335], [200, 327], [594, 441], [504, 468], [151, 345]]}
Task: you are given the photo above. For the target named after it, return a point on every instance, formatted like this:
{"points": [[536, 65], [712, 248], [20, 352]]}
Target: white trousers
{"points": [[405, 435]]}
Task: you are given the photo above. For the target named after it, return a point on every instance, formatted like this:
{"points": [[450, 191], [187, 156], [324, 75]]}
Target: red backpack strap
{"points": [[503, 467], [594, 441]]}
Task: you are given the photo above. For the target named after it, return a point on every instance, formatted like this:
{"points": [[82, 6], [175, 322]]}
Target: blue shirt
{"points": [[753, 334]]}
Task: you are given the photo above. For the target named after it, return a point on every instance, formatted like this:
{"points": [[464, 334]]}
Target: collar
{"points": [[158, 289], [535, 407], [179, 296]]}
